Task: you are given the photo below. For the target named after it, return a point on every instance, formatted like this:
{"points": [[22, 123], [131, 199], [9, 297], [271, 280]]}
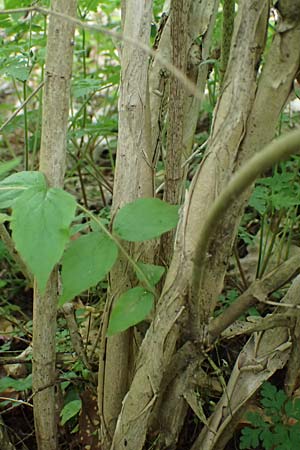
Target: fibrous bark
{"points": [[229, 132], [264, 353], [189, 29]]}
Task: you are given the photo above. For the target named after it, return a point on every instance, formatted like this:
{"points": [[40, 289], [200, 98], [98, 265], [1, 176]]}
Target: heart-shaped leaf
{"points": [[40, 225]]}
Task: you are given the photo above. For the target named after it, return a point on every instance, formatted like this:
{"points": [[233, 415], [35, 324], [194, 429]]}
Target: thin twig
{"points": [[21, 402], [22, 105], [189, 85]]}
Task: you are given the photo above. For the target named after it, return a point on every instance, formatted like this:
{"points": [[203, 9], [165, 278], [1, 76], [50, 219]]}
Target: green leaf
{"points": [[86, 261], [256, 420], [70, 410], [249, 438], [15, 185], [268, 390], [280, 434], [90, 5], [152, 273], [22, 384], [16, 68], [7, 166], [259, 199], [40, 228], [267, 438], [292, 408], [85, 86], [10, 4], [145, 218], [131, 308], [294, 436], [271, 398]]}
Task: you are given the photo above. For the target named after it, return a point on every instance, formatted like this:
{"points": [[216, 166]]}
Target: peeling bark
{"points": [[228, 132], [264, 354], [190, 23], [235, 137]]}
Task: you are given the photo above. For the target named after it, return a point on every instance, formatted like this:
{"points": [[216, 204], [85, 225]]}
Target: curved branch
{"points": [[274, 152]]}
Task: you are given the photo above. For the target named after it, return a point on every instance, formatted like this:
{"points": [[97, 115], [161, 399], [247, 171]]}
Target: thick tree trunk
{"points": [[52, 163]]}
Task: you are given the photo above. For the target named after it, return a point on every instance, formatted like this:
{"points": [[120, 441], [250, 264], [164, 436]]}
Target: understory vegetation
{"points": [[149, 225]]}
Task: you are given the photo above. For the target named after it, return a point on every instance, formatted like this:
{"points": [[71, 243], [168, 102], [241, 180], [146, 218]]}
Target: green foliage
{"points": [[158, 7], [85, 86], [89, 5], [151, 272], [297, 90], [135, 304], [16, 68], [40, 228], [86, 261], [144, 219], [275, 430], [21, 384], [259, 199], [131, 308], [281, 191], [108, 6], [9, 4], [8, 166], [14, 185], [228, 298], [70, 410]]}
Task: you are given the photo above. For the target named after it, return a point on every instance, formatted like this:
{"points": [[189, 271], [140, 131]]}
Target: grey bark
{"points": [[52, 163], [228, 133], [133, 179]]}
